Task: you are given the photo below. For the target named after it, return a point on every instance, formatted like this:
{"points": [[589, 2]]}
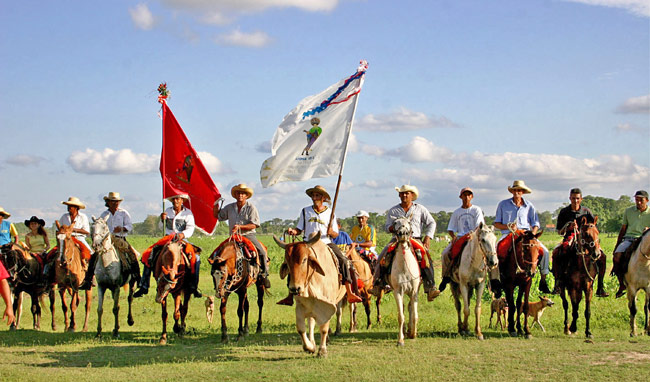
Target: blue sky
{"points": [[458, 93]]}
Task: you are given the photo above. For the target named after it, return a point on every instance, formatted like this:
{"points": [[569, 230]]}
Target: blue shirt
{"points": [[525, 216], [342, 239], [5, 232]]}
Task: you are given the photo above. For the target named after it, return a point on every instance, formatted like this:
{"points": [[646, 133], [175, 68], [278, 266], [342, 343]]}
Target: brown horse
{"points": [[26, 275], [169, 271], [365, 280], [70, 269], [232, 272], [517, 269], [582, 268]]}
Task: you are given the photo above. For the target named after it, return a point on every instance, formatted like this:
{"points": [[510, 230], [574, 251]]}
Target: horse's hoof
{"points": [[480, 337], [224, 339], [590, 336], [98, 335], [632, 334], [400, 343], [12, 327], [130, 321], [512, 334], [308, 350], [336, 333], [322, 353], [163, 341], [116, 334], [529, 336], [177, 329], [259, 330], [71, 330]]}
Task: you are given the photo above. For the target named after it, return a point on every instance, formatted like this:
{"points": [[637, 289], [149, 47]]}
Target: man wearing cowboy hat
{"points": [[178, 221], [315, 219], [522, 213], [423, 228], [365, 236], [462, 221], [7, 229], [243, 218], [119, 224], [78, 221]]}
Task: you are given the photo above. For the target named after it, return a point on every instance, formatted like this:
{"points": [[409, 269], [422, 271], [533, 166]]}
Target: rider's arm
{"points": [[500, 226], [6, 295]]}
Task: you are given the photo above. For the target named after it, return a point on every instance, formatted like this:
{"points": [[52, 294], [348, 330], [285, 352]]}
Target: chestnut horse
{"points": [[234, 272], [365, 281], [578, 278], [638, 278], [70, 269], [26, 275], [517, 269], [169, 271]]}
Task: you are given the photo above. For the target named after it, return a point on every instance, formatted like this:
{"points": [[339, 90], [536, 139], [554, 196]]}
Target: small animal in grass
{"points": [[500, 307], [535, 310], [209, 308]]}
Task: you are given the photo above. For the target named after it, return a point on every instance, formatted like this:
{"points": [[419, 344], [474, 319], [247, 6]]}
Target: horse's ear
{"points": [[481, 225], [583, 221], [538, 234], [93, 218], [316, 264], [595, 219]]}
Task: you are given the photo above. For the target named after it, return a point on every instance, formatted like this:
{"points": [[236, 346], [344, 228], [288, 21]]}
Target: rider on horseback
{"points": [[119, 224], [464, 219], [6, 231], [243, 219], [636, 220], [423, 226], [365, 236]]}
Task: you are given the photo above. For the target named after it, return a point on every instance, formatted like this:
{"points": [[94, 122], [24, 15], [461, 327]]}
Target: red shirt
{"points": [[3, 272]]}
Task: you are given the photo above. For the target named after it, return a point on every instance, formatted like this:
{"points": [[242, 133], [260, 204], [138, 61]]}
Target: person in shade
{"points": [[636, 220], [315, 219], [178, 221]]}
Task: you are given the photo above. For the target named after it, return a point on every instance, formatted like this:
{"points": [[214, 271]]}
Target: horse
{"points": [[523, 252], [405, 278], [26, 275], [313, 279], [109, 274], [232, 271], [578, 278], [365, 280], [478, 255], [169, 271], [638, 278], [70, 270]]}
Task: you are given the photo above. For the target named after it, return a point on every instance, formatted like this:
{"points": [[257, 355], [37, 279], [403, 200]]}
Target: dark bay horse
{"points": [[26, 275], [578, 278], [70, 269], [517, 269], [169, 271], [232, 271]]}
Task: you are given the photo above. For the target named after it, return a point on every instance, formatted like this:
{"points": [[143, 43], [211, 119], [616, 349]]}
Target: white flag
{"points": [[312, 139]]}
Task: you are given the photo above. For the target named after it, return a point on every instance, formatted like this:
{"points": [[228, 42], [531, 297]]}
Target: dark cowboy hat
{"points": [[35, 220]]}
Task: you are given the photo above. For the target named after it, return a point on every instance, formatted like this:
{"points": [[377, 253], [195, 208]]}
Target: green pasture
{"points": [[368, 355]]}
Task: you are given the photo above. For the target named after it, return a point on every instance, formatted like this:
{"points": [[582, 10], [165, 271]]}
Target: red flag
{"points": [[183, 173]]}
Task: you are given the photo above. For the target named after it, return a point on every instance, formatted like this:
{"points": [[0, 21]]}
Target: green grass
{"points": [[369, 355]]}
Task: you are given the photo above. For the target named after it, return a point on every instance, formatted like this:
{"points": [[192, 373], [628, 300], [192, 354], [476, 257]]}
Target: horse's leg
{"points": [[100, 309], [116, 311], [353, 317], [184, 308], [64, 308], [324, 330], [456, 293], [576, 297], [413, 315], [399, 300], [129, 319], [178, 328], [565, 306], [631, 304], [377, 303], [242, 313], [17, 306], [224, 327], [464, 292], [52, 296], [260, 305], [477, 310], [512, 309], [588, 296], [163, 336], [525, 309], [89, 300], [74, 304], [36, 311], [646, 308]]}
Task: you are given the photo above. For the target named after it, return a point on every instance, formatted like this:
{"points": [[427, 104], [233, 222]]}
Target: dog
{"points": [[209, 308], [535, 310], [500, 307]]}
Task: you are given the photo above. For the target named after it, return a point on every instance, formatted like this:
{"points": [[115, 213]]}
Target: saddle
{"points": [[190, 250], [417, 249], [458, 246], [246, 246]]}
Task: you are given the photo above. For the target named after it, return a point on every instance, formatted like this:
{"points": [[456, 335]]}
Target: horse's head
{"points": [[402, 228], [100, 233], [224, 267], [588, 241], [300, 261], [530, 248], [10, 258], [168, 270], [488, 243]]}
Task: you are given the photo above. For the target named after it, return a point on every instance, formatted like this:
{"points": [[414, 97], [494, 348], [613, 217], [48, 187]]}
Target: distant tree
{"points": [[609, 211], [546, 218], [148, 227], [442, 221]]}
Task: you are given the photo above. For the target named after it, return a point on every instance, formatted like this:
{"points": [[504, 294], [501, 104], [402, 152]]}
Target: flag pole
{"points": [[163, 93], [364, 66]]}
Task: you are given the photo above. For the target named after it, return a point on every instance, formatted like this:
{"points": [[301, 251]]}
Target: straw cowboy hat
{"points": [[115, 196], [74, 201], [35, 220], [319, 189], [361, 214], [409, 188], [182, 196], [4, 213], [241, 188], [520, 185]]}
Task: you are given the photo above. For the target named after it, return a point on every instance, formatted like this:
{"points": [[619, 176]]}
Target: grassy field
{"points": [[369, 355]]}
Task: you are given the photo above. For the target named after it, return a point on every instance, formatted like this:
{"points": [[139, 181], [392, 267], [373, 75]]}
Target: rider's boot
{"points": [[352, 298], [134, 268], [621, 288], [144, 282], [264, 272], [196, 292], [543, 286], [90, 273], [496, 287]]}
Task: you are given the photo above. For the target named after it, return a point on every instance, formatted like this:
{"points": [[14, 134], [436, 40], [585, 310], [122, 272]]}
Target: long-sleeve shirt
{"points": [[422, 223], [120, 218], [525, 216], [181, 223]]}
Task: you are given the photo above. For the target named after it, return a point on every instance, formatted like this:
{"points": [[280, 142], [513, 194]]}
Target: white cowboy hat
{"points": [[319, 189], [361, 213], [74, 201], [409, 188], [241, 188], [182, 196], [115, 196], [520, 185], [4, 213]]}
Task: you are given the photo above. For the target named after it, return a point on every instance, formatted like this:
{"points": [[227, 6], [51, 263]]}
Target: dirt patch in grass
{"points": [[622, 357]]}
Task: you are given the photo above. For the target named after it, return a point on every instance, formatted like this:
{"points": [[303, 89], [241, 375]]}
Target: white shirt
{"points": [[311, 221], [422, 223], [80, 222], [464, 220], [181, 223], [120, 218]]}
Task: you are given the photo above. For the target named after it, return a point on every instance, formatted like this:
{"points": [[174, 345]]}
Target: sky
{"points": [[458, 93]]}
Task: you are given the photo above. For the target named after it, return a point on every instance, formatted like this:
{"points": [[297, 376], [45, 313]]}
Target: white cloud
{"points": [[109, 161], [215, 18], [236, 37], [24, 160], [635, 105], [402, 120], [142, 17], [213, 164], [636, 7], [251, 5], [421, 150], [629, 128]]}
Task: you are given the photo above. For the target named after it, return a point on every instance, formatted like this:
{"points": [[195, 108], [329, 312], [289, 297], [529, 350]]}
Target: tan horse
{"points": [[638, 278], [365, 277], [70, 270], [170, 273]]}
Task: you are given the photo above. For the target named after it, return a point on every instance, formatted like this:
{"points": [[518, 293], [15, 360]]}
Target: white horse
{"points": [[109, 274], [405, 278], [638, 278], [477, 257]]}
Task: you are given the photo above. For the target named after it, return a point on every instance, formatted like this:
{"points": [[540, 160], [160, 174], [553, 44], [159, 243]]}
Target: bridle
{"points": [[14, 271], [484, 251]]}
